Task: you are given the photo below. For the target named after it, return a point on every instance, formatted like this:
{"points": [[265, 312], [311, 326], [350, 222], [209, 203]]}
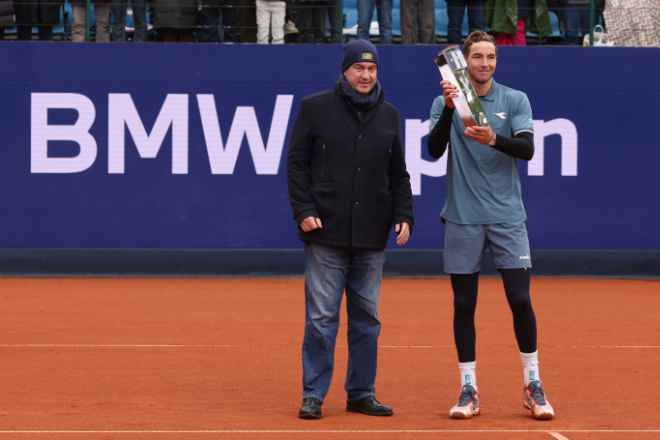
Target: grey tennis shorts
{"points": [[465, 246]]}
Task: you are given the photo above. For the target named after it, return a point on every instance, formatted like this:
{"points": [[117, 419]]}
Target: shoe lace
{"points": [[466, 396], [537, 393]]}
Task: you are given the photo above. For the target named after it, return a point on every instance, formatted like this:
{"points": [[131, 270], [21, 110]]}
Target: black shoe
{"points": [[311, 409], [369, 406]]}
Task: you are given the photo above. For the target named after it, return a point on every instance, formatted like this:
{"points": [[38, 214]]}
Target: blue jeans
{"points": [[328, 271], [576, 18], [217, 24], [383, 13], [209, 30], [455, 13], [229, 24], [139, 8]]}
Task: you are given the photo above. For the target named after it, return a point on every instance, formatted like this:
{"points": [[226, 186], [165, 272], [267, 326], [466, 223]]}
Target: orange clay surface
{"points": [[220, 359]]}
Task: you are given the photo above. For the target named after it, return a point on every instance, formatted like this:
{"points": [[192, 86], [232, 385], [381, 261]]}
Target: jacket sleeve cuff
{"points": [[406, 219], [304, 214]]}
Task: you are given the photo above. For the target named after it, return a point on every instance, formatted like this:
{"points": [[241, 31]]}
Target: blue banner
{"points": [[184, 146]]}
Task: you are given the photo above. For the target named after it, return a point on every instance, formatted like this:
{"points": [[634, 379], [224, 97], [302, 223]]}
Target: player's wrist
{"points": [[491, 142]]}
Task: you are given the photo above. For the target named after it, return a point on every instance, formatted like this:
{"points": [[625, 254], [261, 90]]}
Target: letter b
{"points": [[42, 132]]}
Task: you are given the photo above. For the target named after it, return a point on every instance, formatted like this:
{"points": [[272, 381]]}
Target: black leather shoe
{"points": [[369, 406], [311, 409]]}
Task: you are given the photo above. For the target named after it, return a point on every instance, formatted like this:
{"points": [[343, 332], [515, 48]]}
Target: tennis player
{"points": [[483, 209]]}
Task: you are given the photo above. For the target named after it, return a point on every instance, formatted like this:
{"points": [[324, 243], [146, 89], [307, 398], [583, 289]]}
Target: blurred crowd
{"points": [[511, 22]]}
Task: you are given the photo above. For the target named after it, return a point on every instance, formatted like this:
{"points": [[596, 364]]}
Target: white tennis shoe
{"points": [[467, 405], [535, 400]]}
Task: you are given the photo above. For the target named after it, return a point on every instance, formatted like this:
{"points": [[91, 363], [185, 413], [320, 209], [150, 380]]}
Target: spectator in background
{"points": [[6, 16], [229, 31], [246, 12], [210, 19], [79, 21], [633, 23], [384, 15], [576, 17], [455, 13], [139, 9], [333, 20], [418, 22], [553, 6], [217, 21], [311, 20], [289, 25], [44, 14], [175, 19], [556, 7], [510, 20], [270, 21]]}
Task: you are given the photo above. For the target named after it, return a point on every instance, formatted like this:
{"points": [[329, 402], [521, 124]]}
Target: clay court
{"points": [[209, 359]]}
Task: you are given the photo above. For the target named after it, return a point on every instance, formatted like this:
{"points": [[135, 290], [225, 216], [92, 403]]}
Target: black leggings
{"points": [[516, 287]]}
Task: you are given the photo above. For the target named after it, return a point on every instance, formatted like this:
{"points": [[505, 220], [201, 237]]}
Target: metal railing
{"points": [[245, 23]]}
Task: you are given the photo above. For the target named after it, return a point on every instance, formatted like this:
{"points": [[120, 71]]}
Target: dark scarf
{"points": [[363, 102]]}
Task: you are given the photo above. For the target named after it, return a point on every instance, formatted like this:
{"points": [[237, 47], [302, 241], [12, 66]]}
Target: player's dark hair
{"points": [[476, 37]]}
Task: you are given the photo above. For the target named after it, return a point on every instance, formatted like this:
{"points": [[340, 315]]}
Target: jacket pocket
{"points": [[322, 189]]}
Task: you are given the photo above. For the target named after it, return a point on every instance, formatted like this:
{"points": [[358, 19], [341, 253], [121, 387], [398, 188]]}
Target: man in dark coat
{"points": [[44, 14], [348, 185]]}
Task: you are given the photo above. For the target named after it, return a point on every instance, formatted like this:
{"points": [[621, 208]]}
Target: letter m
{"points": [[122, 113]]}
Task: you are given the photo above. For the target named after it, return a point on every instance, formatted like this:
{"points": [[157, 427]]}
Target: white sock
{"points": [[530, 362], [468, 373]]}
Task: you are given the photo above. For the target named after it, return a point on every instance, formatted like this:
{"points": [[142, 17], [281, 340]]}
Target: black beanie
{"points": [[356, 51]]}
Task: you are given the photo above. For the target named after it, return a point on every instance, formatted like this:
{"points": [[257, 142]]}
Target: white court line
{"points": [[545, 346], [183, 346], [557, 435], [254, 345], [125, 345], [347, 431], [602, 346]]}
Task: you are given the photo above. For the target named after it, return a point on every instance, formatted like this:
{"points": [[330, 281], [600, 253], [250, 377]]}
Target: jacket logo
{"points": [[501, 115]]}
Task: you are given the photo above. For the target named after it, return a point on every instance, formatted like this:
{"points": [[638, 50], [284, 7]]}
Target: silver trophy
{"points": [[452, 66]]}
